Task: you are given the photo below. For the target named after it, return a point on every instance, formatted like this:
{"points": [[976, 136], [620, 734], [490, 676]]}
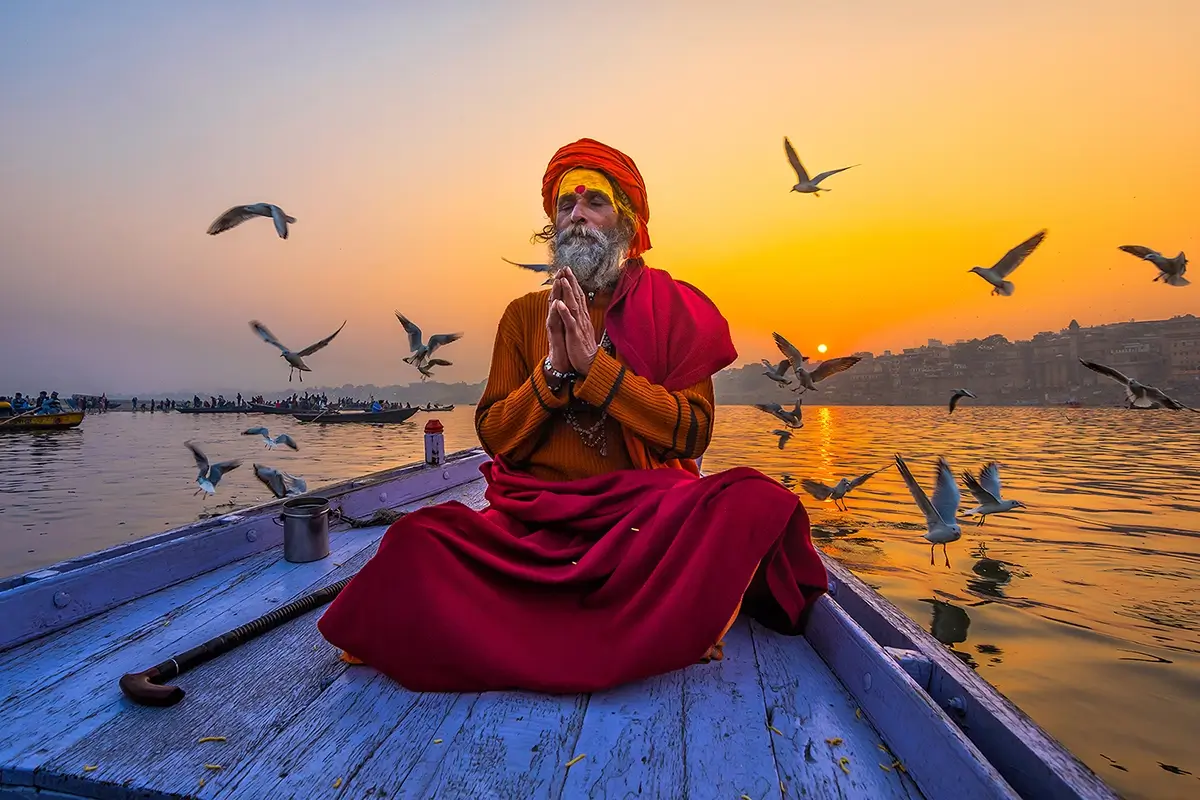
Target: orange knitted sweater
{"points": [[520, 418]]}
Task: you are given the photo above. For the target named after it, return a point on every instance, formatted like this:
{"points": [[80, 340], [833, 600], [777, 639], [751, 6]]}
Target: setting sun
{"points": [[821, 348]]}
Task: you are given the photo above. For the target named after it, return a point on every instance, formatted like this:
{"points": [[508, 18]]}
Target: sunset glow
{"points": [[821, 348]]}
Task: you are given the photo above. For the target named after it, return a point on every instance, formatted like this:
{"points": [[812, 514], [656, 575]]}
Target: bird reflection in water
{"points": [[788, 480], [991, 575], [949, 626]]}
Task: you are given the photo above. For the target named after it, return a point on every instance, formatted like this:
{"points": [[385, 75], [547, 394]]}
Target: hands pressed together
{"points": [[569, 326]]}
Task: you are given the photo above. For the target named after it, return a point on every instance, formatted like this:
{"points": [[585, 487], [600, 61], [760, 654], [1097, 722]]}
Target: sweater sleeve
{"points": [[517, 401], [680, 423]]}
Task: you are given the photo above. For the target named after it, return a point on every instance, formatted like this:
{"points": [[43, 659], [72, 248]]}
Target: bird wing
{"points": [[534, 267], [414, 333], [230, 219], [783, 435], [312, 348], [861, 479], [918, 494], [829, 172], [438, 362], [293, 484], [989, 479], [1164, 398], [796, 408], [1013, 258], [982, 496], [1138, 250], [784, 366], [788, 349], [946, 495], [272, 478], [281, 221], [439, 339], [217, 470], [816, 489], [265, 334], [770, 408], [258, 430], [833, 366], [794, 160], [1103, 369], [198, 454], [286, 440], [954, 398]]}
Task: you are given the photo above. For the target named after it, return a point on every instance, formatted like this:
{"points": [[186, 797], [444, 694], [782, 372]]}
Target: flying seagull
{"points": [[295, 359], [281, 484], [839, 490], [804, 183], [987, 493], [1170, 270], [778, 374], [783, 435], [959, 394], [997, 275], [423, 350], [793, 418], [1137, 395], [239, 214], [545, 268], [426, 368], [281, 439], [807, 378], [210, 474], [940, 521]]}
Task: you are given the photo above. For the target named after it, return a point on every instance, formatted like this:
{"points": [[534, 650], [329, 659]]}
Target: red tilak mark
{"points": [[580, 189]]}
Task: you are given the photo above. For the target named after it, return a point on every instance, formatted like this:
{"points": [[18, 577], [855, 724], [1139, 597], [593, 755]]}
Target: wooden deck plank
{"points": [[82, 697], [513, 744], [727, 747], [249, 699], [812, 711], [632, 742]]}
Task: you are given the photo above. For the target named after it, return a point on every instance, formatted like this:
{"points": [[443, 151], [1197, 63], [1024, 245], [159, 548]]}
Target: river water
{"points": [[1083, 609]]}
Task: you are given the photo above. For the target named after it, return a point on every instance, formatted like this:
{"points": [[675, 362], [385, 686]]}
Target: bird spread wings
{"points": [[287, 441], [438, 362], [266, 335], [989, 478], [1138, 250], [861, 479], [982, 496], [833, 366], [217, 470], [788, 349], [259, 430], [281, 221], [794, 160], [439, 339], [1103, 369], [198, 455], [946, 496], [816, 489], [231, 219], [312, 348], [829, 172], [534, 267], [1168, 401], [918, 494], [1013, 258], [414, 333]]}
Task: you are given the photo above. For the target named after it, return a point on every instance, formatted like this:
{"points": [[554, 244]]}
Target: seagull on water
{"points": [[939, 514], [210, 474], [281, 484], [987, 493], [544, 268], [778, 374], [1137, 395], [421, 351], [426, 368], [281, 439], [783, 435], [793, 418], [998, 274], [804, 183], [294, 359], [239, 214], [808, 378], [959, 394], [839, 490], [1170, 270]]}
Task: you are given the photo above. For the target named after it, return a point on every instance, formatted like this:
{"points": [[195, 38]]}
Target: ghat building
{"points": [[1044, 370]]}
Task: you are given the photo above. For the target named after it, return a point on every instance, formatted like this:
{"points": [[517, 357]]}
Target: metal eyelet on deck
{"points": [[251, 535], [62, 599]]}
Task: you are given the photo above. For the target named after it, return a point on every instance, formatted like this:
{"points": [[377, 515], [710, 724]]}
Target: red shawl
{"points": [[578, 586]]}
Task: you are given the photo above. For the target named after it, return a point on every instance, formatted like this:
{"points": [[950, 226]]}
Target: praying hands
{"points": [[572, 333]]}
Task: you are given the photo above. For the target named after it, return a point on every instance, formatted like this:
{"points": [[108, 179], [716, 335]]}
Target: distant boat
{"points": [[203, 410], [391, 415], [264, 408]]}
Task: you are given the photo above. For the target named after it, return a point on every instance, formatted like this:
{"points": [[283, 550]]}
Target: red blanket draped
{"points": [[577, 586]]}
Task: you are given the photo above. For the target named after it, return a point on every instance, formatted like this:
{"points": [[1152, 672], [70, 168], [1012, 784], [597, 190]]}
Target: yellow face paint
{"points": [[578, 181]]}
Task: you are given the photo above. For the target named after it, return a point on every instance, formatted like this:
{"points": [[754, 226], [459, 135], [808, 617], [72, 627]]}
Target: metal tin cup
{"points": [[305, 529]]}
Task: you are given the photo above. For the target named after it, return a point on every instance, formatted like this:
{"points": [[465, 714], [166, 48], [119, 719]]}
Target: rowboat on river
{"points": [[40, 422], [390, 415], [865, 704]]}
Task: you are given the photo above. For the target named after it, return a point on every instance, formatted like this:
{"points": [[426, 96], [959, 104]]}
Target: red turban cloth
{"points": [[590, 154]]}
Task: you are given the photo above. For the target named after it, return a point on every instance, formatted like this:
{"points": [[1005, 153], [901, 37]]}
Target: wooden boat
{"points": [[264, 408], [390, 415], [220, 410], [864, 705], [40, 422]]}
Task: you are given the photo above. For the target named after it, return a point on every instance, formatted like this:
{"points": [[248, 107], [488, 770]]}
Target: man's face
{"points": [[591, 240]]}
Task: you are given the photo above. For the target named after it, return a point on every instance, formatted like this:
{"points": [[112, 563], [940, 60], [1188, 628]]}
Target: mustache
{"points": [[580, 231]]}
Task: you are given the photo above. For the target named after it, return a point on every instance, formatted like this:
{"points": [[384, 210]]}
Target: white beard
{"points": [[594, 257]]}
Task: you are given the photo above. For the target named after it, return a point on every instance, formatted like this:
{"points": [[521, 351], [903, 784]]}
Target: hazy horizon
{"points": [[410, 147]]}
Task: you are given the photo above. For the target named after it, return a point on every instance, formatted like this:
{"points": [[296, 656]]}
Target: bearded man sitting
{"points": [[603, 556]]}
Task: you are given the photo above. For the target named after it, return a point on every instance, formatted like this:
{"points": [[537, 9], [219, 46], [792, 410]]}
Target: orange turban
{"points": [[590, 154]]}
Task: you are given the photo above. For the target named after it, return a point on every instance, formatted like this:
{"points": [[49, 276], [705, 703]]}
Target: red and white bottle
{"points": [[435, 444]]}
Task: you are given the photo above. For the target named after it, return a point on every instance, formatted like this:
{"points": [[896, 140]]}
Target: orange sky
{"points": [[410, 147]]}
